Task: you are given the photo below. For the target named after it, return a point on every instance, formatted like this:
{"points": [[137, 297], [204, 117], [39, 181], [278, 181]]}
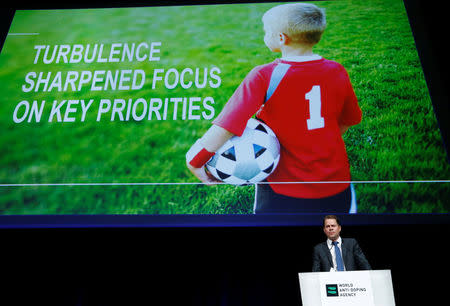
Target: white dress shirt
{"points": [[333, 253]]}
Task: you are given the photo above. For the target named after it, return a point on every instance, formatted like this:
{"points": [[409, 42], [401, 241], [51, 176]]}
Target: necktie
{"points": [[339, 261]]}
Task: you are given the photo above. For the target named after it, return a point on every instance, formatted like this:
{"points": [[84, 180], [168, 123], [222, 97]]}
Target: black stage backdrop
{"points": [[206, 266]]}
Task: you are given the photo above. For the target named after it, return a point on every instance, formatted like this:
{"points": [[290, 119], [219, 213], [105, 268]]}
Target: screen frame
{"points": [[213, 221], [423, 24]]}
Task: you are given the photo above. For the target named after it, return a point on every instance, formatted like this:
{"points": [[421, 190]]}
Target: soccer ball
{"points": [[249, 158]]}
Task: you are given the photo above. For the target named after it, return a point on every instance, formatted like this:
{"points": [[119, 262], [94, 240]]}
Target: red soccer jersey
{"points": [[305, 111]]}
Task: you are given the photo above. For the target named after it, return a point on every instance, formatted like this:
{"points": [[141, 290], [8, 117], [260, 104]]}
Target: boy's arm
{"points": [[351, 113], [203, 149], [343, 128], [243, 104]]}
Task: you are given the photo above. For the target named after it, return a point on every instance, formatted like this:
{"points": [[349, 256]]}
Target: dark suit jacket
{"points": [[352, 255]]}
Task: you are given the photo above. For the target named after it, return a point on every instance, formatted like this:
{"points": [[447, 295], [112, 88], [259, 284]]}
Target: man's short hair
{"points": [[331, 217]]}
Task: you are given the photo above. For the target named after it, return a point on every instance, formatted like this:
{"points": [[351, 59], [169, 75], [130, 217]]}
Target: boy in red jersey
{"points": [[308, 102]]}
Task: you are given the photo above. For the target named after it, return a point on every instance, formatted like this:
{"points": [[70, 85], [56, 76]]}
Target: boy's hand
{"points": [[211, 141], [203, 175]]}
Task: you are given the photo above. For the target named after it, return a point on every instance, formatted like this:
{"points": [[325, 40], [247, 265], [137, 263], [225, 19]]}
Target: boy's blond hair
{"points": [[302, 22]]}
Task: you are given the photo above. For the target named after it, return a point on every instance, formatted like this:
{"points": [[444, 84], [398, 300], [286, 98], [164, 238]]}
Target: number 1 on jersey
{"points": [[315, 121]]}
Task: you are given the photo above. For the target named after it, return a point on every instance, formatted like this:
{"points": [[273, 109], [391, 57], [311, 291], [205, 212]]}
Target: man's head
{"points": [[301, 23], [331, 227]]}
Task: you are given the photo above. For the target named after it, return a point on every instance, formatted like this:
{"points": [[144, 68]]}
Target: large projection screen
{"points": [[99, 107]]}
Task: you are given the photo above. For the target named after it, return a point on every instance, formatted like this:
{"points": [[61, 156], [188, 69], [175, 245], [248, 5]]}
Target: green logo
{"points": [[332, 290]]}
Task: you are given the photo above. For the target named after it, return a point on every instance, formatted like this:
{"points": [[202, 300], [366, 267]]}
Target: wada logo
{"points": [[332, 290]]}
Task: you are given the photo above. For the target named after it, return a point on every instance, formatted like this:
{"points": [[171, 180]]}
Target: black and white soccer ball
{"points": [[249, 158]]}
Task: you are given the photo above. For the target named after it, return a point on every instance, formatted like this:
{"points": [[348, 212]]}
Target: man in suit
{"points": [[336, 253]]}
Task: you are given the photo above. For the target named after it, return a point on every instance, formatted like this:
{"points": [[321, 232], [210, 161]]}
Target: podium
{"points": [[358, 288]]}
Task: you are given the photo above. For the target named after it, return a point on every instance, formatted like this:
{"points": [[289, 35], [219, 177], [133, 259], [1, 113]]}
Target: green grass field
{"points": [[398, 138]]}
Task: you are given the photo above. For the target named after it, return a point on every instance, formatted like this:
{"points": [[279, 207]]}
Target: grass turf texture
{"points": [[398, 138]]}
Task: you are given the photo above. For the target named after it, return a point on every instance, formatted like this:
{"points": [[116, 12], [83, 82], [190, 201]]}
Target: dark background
{"points": [[223, 265], [206, 266]]}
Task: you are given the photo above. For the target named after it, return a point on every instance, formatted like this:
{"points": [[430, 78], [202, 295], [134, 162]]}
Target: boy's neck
{"points": [[297, 50]]}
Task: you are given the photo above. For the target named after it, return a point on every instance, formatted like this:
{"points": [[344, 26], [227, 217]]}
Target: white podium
{"points": [[358, 288]]}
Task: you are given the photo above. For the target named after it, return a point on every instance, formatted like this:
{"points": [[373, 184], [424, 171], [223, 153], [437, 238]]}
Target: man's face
{"points": [[332, 229]]}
